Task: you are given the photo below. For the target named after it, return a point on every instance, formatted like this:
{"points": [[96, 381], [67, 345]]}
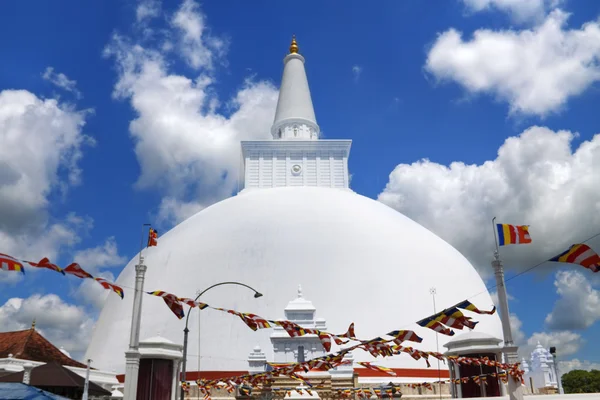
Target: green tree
{"points": [[579, 381]]}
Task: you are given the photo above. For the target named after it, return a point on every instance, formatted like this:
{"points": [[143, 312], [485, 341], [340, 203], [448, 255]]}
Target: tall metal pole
{"points": [[515, 390], [186, 331], [86, 386], [433, 292], [558, 380], [132, 356]]}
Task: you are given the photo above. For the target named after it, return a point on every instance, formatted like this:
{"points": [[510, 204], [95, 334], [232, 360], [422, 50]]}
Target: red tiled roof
{"points": [[30, 345]]}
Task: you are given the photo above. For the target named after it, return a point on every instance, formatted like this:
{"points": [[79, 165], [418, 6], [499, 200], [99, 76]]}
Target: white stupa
{"points": [[296, 221]]}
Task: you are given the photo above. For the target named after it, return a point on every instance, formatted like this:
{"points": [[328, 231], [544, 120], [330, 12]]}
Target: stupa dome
{"points": [[357, 260]]}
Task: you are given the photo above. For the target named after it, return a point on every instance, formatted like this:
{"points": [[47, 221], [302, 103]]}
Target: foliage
{"points": [[578, 381]]}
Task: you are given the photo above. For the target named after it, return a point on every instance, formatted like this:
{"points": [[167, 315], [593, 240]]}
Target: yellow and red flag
{"points": [[8, 263], [152, 237], [580, 254], [513, 234]]}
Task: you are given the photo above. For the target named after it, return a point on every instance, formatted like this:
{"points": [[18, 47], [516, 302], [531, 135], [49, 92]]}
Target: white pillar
{"points": [[27, 367], [132, 357], [175, 387], [515, 391], [86, 385]]}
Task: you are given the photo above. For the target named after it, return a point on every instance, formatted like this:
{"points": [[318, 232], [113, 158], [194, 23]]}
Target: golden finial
{"points": [[294, 45]]}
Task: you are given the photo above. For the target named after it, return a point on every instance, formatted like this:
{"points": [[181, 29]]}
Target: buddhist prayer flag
{"points": [[110, 286], [8, 263], [513, 234], [349, 333], [454, 318], [580, 254], [75, 269], [193, 303], [171, 301], [436, 326], [45, 263], [467, 305], [402, 335], [152, 237], [377, 368]]}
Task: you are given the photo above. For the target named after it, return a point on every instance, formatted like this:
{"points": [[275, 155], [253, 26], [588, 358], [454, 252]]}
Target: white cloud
{"points": [[106, 255], [198, 47], [186, 148], [147, 9], [91, 292], [61, 323], [494, 296], [42, 143], [566, 342], [536, 179], [172, 209], [535, 70], [62, 81], [579, 304], [570, 365], [516, 330], [356, 71], [519, 10]]}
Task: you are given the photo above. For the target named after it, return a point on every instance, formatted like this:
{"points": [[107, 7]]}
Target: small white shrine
{"points": [[288, 349], [540, 372]]}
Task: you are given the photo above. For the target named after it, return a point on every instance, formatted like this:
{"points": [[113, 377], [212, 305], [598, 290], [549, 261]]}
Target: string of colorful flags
{"points": [[361, 392], [506, 234], [365, 392], [8, 263], [325, 363]]}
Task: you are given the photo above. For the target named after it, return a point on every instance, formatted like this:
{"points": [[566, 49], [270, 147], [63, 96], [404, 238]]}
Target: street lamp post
{"points": [[257, 294]]}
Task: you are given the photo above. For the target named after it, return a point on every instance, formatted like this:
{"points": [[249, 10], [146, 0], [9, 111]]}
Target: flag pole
{"points": [[132, 356], [515, 391], [433, 292], [494, 227], [141, 260]]}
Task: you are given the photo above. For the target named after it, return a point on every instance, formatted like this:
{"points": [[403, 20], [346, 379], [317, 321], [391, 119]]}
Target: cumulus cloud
{"points": [[186, 141], [579, 304], [534, 70], [61, 323], [519, 10], [198, 47], [356, 71], [516, 330], [570, 365], [536, 179], [106, 255], [62, 81], [42, 142], [566, 342], [147, 9], [92, 293], [494, 295]]}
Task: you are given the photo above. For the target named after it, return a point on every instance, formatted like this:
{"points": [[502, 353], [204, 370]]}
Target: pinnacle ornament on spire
{"points": [[294, 46], [300, 292]]}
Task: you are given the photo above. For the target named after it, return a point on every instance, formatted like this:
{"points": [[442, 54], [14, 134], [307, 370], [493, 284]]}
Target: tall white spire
{"points": [[295, 115], [297, 157]]}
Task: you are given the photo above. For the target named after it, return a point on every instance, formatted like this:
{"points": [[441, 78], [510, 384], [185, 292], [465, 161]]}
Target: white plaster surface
{"points": [[356, 259]]}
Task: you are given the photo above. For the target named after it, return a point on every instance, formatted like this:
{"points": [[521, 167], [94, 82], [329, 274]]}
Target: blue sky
{"points": [[500, 98]]}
